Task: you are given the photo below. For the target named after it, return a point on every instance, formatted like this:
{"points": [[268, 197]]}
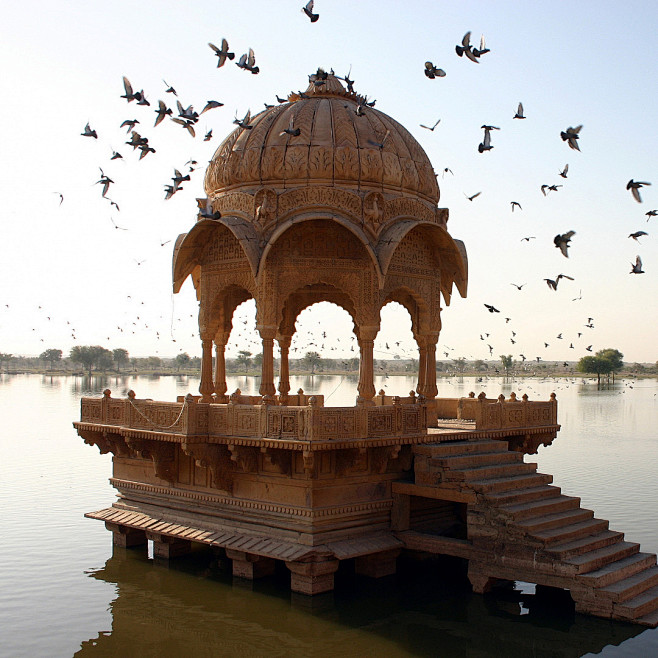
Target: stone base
{"points": [[125, 537], [250, 566], [377, 565], [166, 548], [312, 577]]}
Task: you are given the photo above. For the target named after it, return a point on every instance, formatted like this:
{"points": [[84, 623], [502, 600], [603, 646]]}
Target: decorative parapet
{"points": [[512, 414], [197, 422]]}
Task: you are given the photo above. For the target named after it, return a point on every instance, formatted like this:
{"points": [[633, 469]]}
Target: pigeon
{"points": [[187, 124], [492, 309], [515, 203], [131, 123], [482, 49], [105, 182], [294, 132], [169, 89], [308, 10], [170, 190], [519, 112], [562, 242], [248, 62], [486, 143], [129, 95], [208, 136], [432, 71], [432, 128], [563, 173], [89, 132], [651, 213], [244, 124], [552, 283], [466, 48], [470, 198], [634, 187], [571, 135], [116, 155], [550, 188], [211, 105], [637, 234], [518, 287], [206, 210], [162, 112], [380, 145], [530, 237], [222, 53], [637, 268]]}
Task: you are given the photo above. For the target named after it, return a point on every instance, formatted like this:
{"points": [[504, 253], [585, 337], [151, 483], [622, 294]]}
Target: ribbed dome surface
{"points": [[341, 142]]}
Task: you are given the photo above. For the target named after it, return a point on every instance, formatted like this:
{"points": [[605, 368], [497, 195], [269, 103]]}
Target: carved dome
{"points": [[336, 146]]}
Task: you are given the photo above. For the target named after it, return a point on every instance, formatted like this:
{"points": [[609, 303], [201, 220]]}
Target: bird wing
{"points": [[224, 46], [127, 86], [214, 47], [519, 111], [466, 41], [636, 194], [487, 137], [251, 59]]}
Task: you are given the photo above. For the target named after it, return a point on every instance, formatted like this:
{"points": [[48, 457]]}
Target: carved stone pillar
{"points": [[267, 389], [422, 364], [366, 385], [430, 367], [312, 577], [206, 387], [220, 367], [284, 373]]}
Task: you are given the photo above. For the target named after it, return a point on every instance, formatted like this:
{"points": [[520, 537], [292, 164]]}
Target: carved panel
{"points": [[321, 162], [245, 422], [318, 197], [245, 458], [346, 164], [279, 460], [91, 410], [116, 412], [354, 460], [380, 423], [373, 210], [163, 456], [404, 206], [222, 247], [218, 419], [217, 458], [272, 162], [235, 202]]}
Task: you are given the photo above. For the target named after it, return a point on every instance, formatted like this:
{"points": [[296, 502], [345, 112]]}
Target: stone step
{"points": [[650, 619], [472, 460], [460, 447], [638, 606], [524, 496], [489, 472], [555, 520], [570, 549], [633, 586], [594, 560], [540, 507], [618, 570], [571, 531], [510, 483]]}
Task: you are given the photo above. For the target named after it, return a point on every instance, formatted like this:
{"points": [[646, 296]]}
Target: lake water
{"points": [[64, 591]]}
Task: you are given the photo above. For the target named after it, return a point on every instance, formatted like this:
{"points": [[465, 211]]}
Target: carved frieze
{"points": [[217, 458], [319, 197], [235, 202], [404, 206]]}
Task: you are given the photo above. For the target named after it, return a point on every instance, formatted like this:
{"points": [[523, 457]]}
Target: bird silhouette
{"points": [[562, 242], [308, 10], [162, 112], [244, 124], [516, 203], [634, 187], [466, 49], [89, 132], [474, 196], [571, 135], [637, 234], [169, 89], [530, 237], [248, 62], [492, 309], [432, 71], [222, 53], [519, 112], [290, 130], [211, 105], [486, 145], [637, 268], [432, 128], [553, 283], [517, 286], [563, 173]]}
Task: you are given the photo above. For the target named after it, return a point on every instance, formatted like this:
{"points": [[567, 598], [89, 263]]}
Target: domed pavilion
{"points": [[322, 198]]}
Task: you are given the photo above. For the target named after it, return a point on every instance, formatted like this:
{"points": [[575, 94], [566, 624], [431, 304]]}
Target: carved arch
{"points": [[216, 313], [417, 307]]}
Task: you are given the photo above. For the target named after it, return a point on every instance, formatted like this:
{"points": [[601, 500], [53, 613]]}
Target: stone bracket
{"points": [[163, 455], [215, 457]]}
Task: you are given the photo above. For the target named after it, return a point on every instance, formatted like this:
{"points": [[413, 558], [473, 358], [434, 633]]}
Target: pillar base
{"points": [[125, 537], [312, 577], [250, 566], [377, 565], [166, 548]]}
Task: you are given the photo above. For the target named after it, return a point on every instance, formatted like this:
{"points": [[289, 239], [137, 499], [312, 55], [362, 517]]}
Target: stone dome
{"points": [[342, 142]]}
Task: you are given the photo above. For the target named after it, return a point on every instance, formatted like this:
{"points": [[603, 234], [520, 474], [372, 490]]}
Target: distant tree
{"points": [[479, 365], [614, 358], [120, 357], [90, 356], [182, 360], [195, 363], [4, 358], [460, 364], [312, 360], [258, 360], [593, 365], [51, 356], [507, 361], [154, 362], [244, 359]]}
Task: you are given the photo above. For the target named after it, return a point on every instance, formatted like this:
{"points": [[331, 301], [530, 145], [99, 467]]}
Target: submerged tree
{"points": [[51, 356], [507, 361]]}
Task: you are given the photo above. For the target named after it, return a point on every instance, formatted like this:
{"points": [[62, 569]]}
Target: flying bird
{"points": [[169, 89], [486, 143], [244, 124], [634, 187], [553, 283], [637, 268], [466, 49], [222, 53], [118, 228], [116, 155], [105, 182], [562, 242], [482, 49], [515, 203], [308, 10], [380, 145], [294, 132], [518, 287], [211, 105], [248, 62], [651, 213], [550, 188], [530, 237], [89, 132], [162, 112], [208, 136], [432, 71], [571, 135], [470, 198], [637, 234], [434, 126], [492, 309], [563, 173], [519, 112]]}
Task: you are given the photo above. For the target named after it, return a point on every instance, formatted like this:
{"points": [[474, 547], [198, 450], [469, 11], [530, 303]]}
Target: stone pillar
{"points": [[422, 364], [206, 387], [250, 566], [220, 367], [312, 577], [165, 547], [366, 385], [430, 366], [126, 537], [267, 389], [284, 374]]}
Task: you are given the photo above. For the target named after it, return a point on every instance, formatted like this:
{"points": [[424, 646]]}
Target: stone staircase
{"points": [[523, 528]]}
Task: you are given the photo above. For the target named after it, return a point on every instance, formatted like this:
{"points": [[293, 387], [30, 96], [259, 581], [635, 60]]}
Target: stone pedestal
{"points": [[250, 566], [125, 537], [165, 547], [377, 565], [312, 577]]}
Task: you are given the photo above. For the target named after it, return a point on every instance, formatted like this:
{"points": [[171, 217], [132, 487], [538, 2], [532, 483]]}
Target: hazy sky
{"points": [[570, 63]]}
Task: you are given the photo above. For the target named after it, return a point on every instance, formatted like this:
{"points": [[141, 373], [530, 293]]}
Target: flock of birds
{"points": [[187, 118]]}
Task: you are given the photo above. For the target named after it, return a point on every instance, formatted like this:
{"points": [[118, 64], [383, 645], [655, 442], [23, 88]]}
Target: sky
{"points": [[70, 277]]}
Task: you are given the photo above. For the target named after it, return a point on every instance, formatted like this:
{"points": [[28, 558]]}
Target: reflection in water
{"points": [[194, 609]]}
